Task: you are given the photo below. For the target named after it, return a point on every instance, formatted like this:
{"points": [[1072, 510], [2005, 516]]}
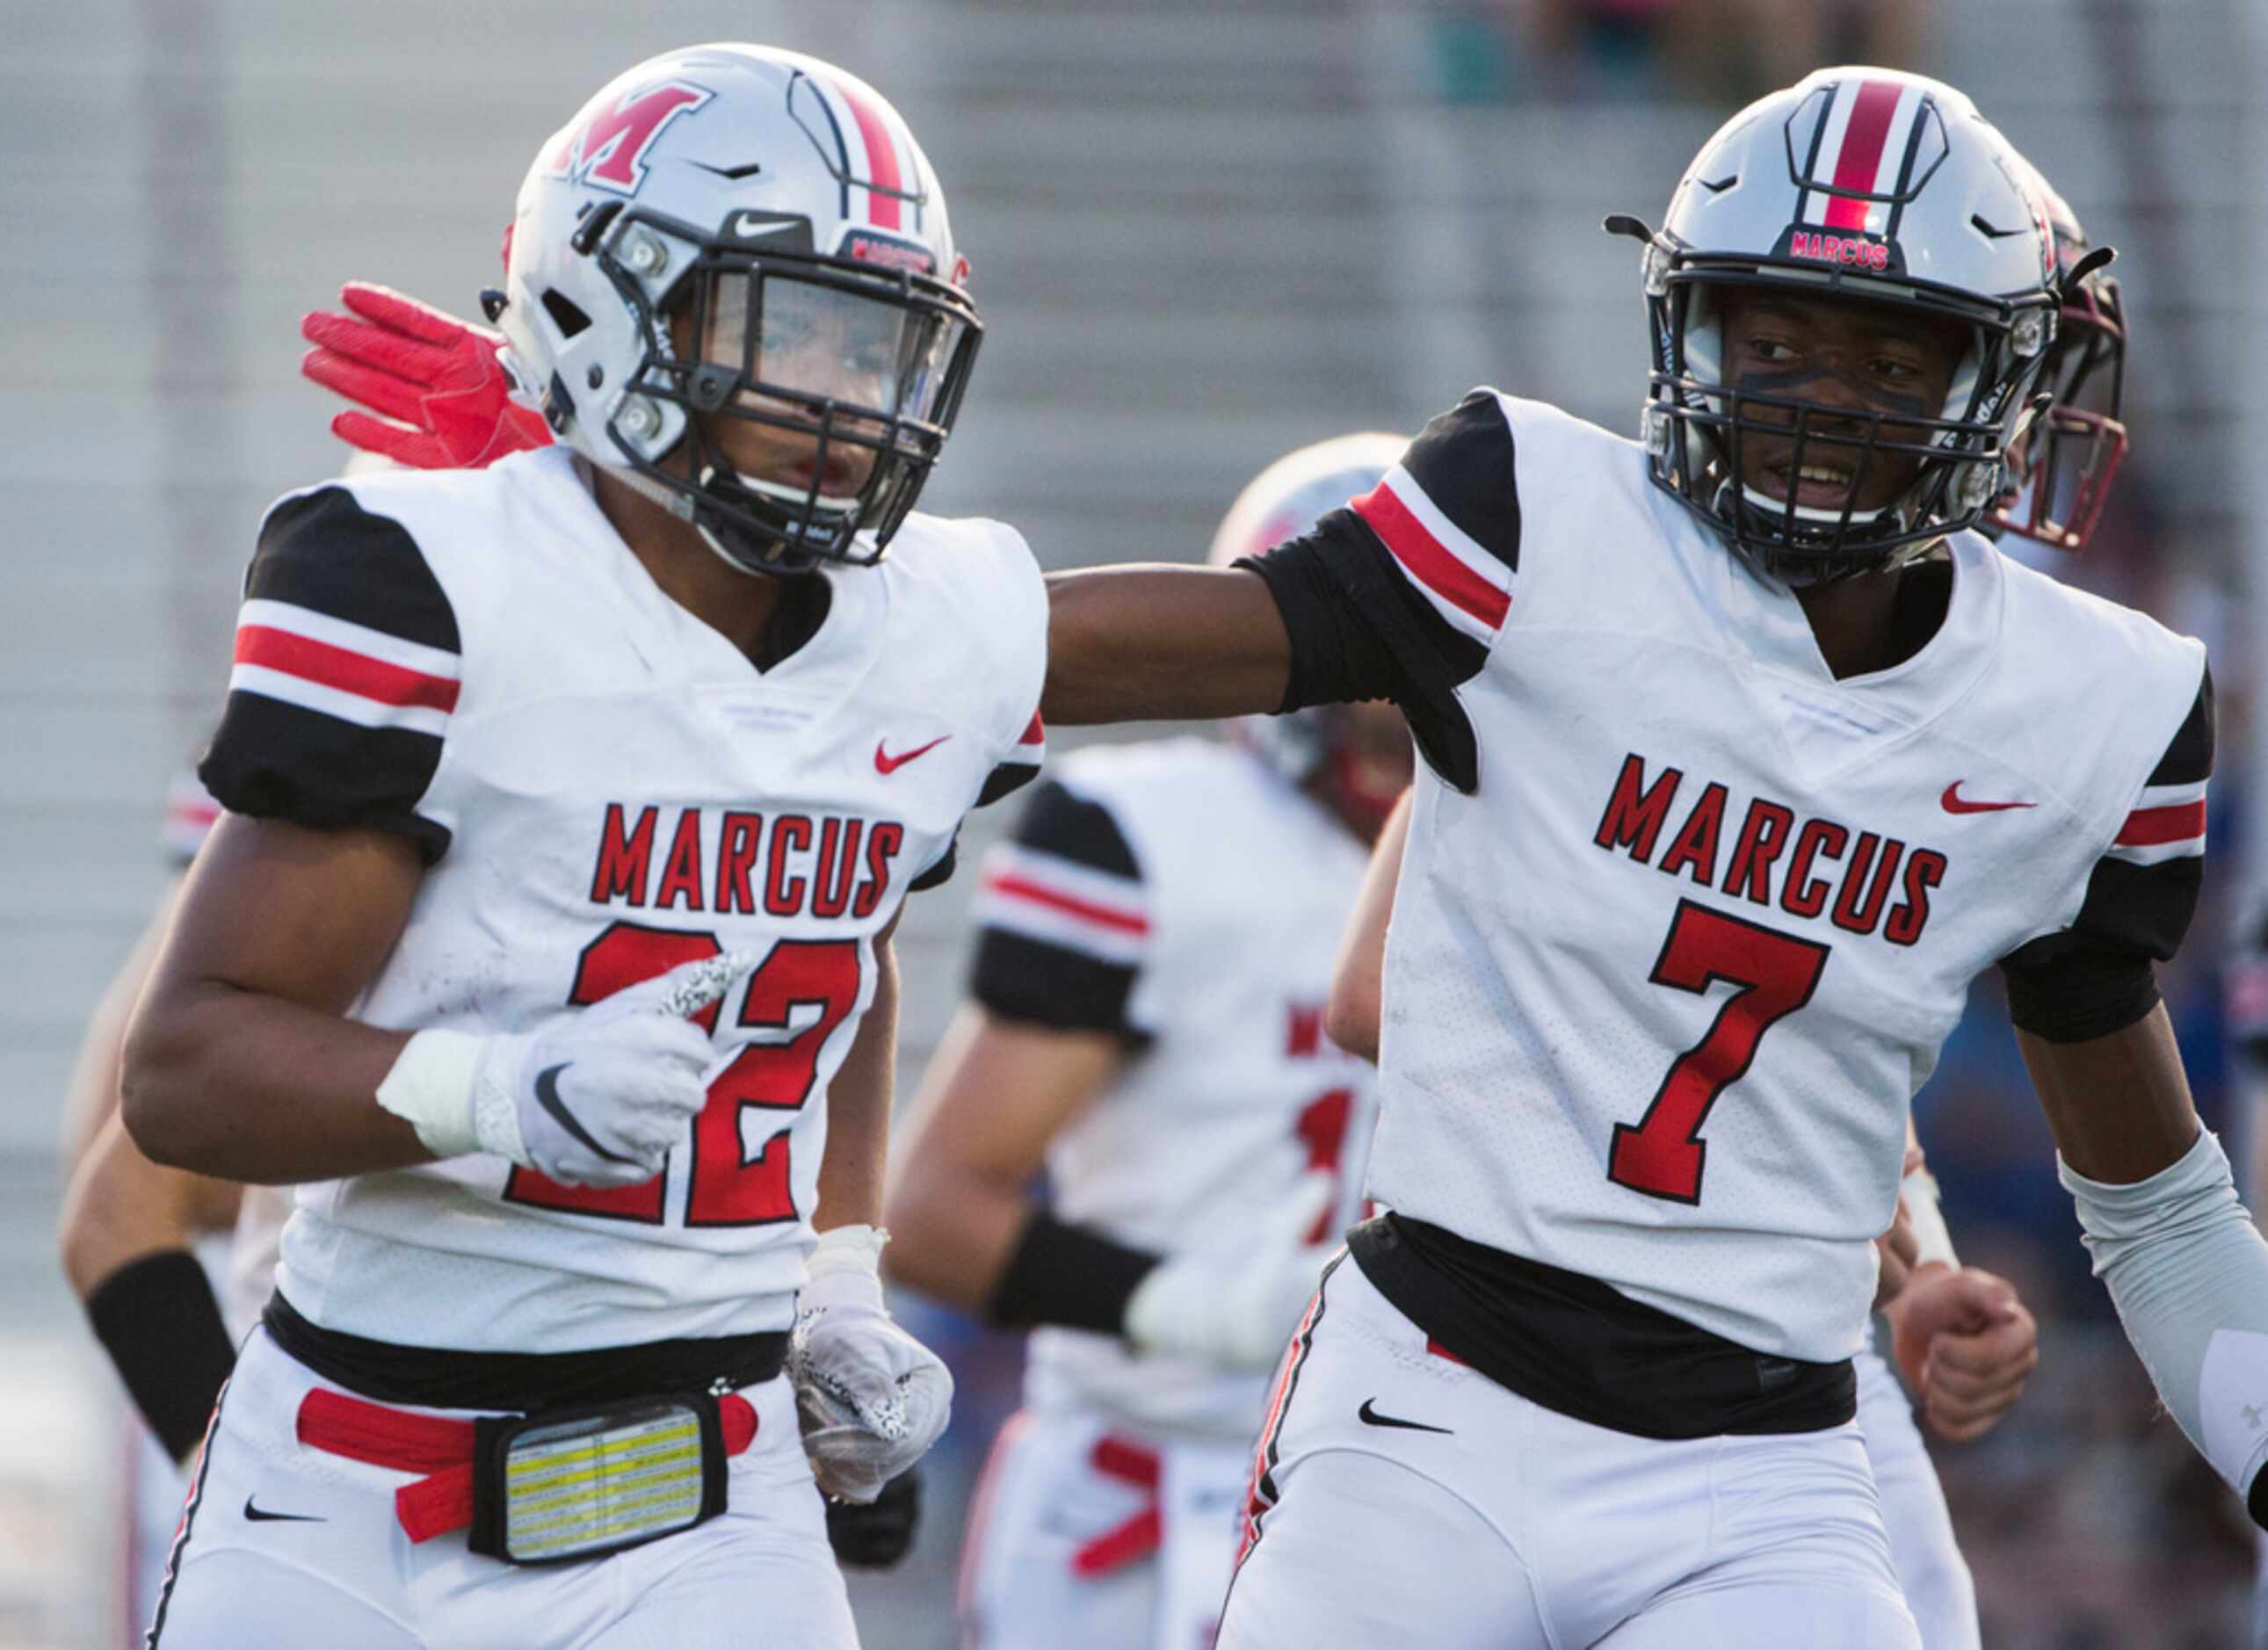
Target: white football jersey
{"points": [[1669, 960], [604, 787], [1184, 896]]}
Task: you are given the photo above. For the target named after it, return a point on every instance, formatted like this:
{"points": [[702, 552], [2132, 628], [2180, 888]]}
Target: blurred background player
{"points": [[2060, 468], [172, 1267], [1145, 1031], [1966, 1343]]}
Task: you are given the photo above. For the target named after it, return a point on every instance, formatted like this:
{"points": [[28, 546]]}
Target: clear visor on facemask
{"points": [[809, 343]]}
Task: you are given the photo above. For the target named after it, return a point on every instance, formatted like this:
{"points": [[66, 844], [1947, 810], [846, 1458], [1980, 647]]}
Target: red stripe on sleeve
{"points": [[1862, 152], [881, 158], [1016, 888], [1034, 732], [1427, 561], [331, 667], [2149, 826]]}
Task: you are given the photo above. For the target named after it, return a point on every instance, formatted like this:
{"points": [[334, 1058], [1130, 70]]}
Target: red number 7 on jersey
{"points": [[1775, 974]]}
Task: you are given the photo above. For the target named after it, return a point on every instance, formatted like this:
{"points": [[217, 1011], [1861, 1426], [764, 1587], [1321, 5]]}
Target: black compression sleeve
{"points": [[2078, 989], [157, 1318], [1336, 658], [1070, 1276], [1358, 631]]}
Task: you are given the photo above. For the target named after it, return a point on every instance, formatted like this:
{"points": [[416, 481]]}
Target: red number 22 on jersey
{"points": [[726, 1186]]}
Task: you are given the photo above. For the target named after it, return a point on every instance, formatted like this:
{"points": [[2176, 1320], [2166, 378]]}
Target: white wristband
{"points": [[845, 1268], [433, 1085], [1931, 1240]]}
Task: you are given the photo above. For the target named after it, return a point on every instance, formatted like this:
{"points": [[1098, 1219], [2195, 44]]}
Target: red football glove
{"points": [[441, 391]]}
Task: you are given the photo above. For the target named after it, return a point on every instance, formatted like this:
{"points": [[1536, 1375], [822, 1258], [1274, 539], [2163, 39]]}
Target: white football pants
{"points": [[1404, 1499], [151, 1486], [1088, 1534], [326, 1562], [1931, 1570]]}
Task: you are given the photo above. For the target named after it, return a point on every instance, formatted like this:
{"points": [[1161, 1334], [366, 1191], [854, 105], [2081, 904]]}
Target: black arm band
{"points": [[1070, 1276], [1336, 656], [2079, 992], [157, 1318], [1358, 631]]}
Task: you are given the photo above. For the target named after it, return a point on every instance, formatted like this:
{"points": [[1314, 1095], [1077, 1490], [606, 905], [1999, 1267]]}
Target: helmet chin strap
{"points": [[681, 506], [1803, 579]]}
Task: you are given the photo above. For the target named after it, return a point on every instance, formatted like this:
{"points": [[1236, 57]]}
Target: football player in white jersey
{"points": [[1966, 1342], [146, 1248], [571, 804], [1145, 1025], [1743, 754]]}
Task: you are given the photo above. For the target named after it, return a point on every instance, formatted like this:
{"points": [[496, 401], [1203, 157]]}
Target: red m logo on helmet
{"points": [[609, 149]]}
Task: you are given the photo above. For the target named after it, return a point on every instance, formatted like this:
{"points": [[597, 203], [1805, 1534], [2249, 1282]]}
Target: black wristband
{"points": [[1070, 1276], [157, 1318]]}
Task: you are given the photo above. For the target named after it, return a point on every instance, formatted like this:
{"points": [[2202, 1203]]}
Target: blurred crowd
{"points": [[1711, 51]]}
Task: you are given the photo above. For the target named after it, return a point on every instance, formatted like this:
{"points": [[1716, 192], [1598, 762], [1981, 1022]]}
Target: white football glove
{"points": [[871, 1398], [1233, 1305], [594, 1098]]}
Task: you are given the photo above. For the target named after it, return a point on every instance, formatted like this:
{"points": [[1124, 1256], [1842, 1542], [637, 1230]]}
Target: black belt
{"points": [[437, 1378], [1574, 1344]]}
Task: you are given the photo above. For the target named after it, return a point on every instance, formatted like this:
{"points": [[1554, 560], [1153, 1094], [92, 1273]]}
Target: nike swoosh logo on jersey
{"points": [[1954, 802], [1369, 1417], [884, 763], [547, 1095], [259, 1517]]}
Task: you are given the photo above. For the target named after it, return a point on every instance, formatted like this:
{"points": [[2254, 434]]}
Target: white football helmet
{"points": [[731, 231], [1863, 183], [1283, 500]]}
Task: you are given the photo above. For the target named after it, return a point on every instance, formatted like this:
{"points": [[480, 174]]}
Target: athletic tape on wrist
{"points": [[1932, 1241], [434, 1087], [845, 1268]]}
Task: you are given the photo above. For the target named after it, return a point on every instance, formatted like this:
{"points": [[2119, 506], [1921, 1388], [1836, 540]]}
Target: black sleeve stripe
{"points": [[322, 550], [1062, 918], [1463, 461], [1006, 780], [2189, 757], [1020, 767], [2096, 976], [276, 761], [2086, 989], [2142, 910], [1360, 630], [1021, 978], [1072, 828], [939, 870], [347, 672]]}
